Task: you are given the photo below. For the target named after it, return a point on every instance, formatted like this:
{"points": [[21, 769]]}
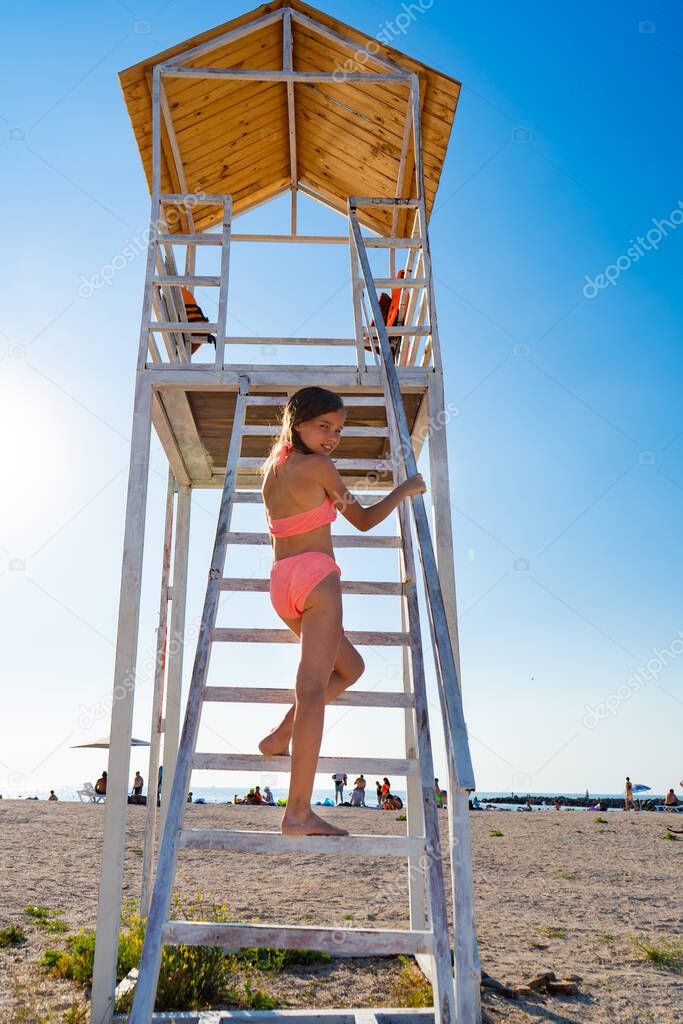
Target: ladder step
{"points": [[338, 941], [282, 399], [400, 282], [247, 498], [256, 498], [185, 328], [355, 201], [251, 339], [190, 239], [275, 695], [405, 331], [249, 584], [197, 198], [392, 243], [235, 635], [258, 763], [186, 279], [274, 429], [274, 842], [340, 540], [343, 465]]}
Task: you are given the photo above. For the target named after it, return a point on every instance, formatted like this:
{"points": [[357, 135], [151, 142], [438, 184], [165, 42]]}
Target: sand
{"points": [[556, 891]]}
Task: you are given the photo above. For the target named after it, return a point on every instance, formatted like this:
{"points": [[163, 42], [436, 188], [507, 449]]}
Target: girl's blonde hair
{"points": [[305, 404]]}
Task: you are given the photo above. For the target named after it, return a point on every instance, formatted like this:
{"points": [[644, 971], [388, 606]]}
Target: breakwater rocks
{"points": [[596, 803]]}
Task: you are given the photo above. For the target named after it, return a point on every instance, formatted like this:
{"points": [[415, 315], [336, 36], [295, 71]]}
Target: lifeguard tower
{"points": [[286, 99]]}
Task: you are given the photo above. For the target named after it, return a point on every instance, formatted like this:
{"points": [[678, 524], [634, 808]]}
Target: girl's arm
{"points": [[364, 517]]}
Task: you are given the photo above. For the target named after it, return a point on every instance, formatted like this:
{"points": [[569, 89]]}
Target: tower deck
{"points": [[193, 409]]}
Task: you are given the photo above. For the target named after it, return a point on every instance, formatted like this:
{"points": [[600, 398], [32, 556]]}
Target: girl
{"points": [[302, 492]]}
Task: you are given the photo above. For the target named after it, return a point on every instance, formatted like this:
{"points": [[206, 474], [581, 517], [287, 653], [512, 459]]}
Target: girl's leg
{"points": [[348, 668], [321, 632]]}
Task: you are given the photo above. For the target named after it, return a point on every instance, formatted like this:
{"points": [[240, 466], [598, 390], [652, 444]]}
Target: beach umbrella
{"points": [[103, 744], [638, 787]]}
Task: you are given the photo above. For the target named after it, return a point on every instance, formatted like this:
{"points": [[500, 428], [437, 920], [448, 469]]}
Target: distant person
{"points": [[440, 794], [250, 798], [138, 783], [53, 795], [378, 787], [340, 780], [629, 801], [386, 788], [257, 795], [359, 787], [671, 800], [558, 805], [358, 798], [268, 797], [101, 785], [189, 798]]}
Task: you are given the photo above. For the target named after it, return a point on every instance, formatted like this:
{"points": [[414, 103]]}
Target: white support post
{"points": [[417, 878], [426, 259], [180, 171], [176, 648], [150, 960], [157, 706], [356, 291], [221, 325], [288, 65], [116, 806], [461, 776], [153, 225], [465, 936], [401, 178], [426, 885]]}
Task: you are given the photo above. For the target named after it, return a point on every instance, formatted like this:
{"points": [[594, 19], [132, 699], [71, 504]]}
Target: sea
{"points": [[226, 794]]}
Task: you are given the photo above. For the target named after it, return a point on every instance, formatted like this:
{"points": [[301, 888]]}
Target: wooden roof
{"points": [[234, 137]]}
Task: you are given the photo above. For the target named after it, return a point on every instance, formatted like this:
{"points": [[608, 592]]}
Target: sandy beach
{"points": [[556, 891]]}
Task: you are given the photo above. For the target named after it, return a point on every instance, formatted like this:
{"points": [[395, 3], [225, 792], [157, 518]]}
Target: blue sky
{"points": [[566, 450]]}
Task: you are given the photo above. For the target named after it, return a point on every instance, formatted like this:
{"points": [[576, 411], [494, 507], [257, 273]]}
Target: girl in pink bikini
{"points": [[302, 492]]}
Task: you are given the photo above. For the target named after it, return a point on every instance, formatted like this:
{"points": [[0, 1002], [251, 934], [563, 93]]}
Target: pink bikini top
{"points": [[300, 522]]}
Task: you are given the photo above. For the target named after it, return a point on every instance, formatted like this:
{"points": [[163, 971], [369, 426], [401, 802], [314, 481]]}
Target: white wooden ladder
{"points": [[428, 935]]}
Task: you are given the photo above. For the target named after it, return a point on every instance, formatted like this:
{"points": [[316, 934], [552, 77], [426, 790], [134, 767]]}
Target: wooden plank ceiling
{"points": [[233, 137]]}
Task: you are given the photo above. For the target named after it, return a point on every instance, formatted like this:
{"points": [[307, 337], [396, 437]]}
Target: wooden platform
{"points": [[193, 411]]}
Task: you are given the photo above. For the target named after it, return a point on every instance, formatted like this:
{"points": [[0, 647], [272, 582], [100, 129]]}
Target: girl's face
{"points": [[323, 433]]}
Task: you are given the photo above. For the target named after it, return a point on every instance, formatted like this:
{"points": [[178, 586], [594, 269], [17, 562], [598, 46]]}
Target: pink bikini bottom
{"points": [[292, 579]]}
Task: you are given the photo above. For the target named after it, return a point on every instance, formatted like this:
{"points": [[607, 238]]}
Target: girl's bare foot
{"points": [[275, 744], [309, 825]]}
